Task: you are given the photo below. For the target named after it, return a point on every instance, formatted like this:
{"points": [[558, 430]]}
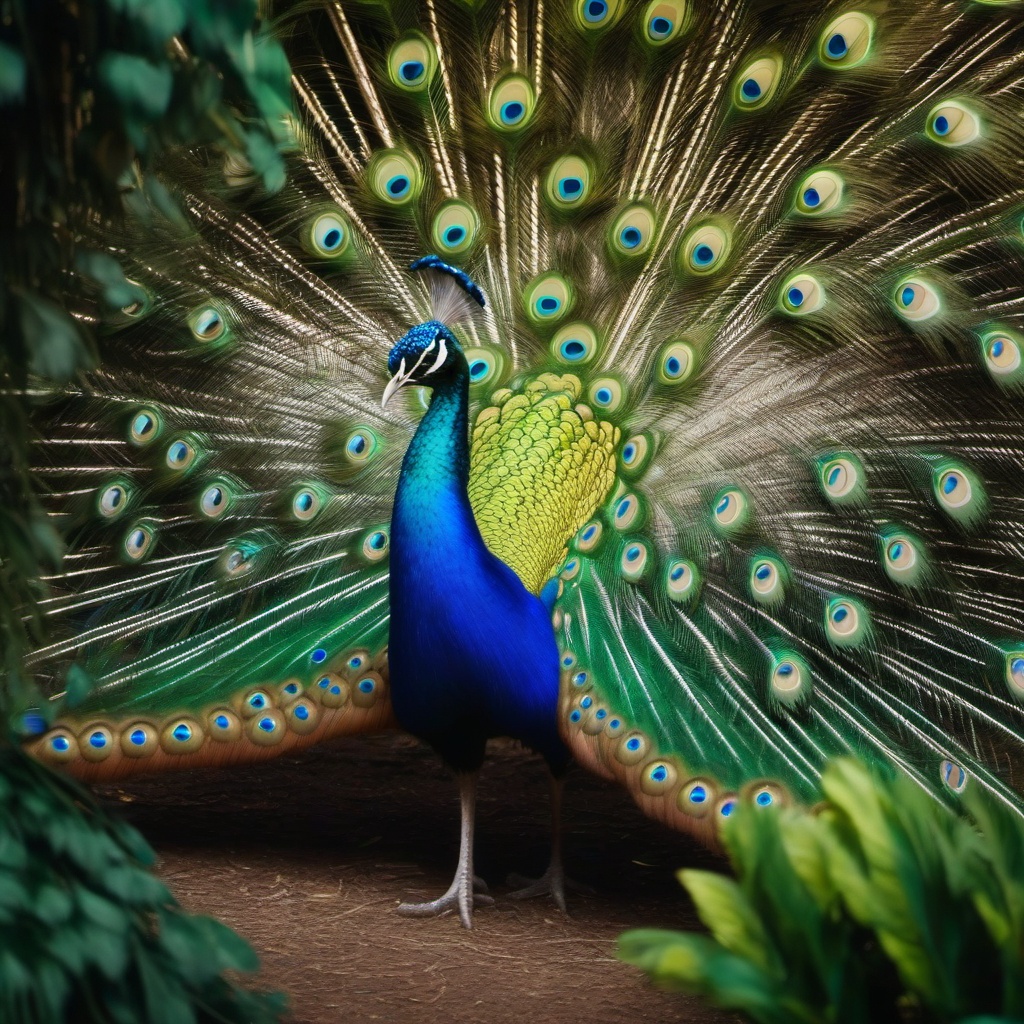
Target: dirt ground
{"points": [[308, 856]]}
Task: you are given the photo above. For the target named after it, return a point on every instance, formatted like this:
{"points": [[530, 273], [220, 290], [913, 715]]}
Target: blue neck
{"points": [[432, 500]]}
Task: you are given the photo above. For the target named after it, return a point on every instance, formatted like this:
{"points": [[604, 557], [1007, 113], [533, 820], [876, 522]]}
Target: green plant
{"points": [[883, 906]]}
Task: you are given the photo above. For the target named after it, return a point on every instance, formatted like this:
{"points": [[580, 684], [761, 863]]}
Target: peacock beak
{"points": [[395, 383]]}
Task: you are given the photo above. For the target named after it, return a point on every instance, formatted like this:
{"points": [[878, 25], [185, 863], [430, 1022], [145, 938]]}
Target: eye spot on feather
{"points": [[360, 446], [548, 298], [658, 778], [326, 235], [903, 557], [675, 363], [767, 795], [455, 227], [59, 747], [790, 680], [181, 454], [305, 504], [628, 512], [597, 14], [696, 797], [606, 393], [574, 344], [113, 500], [145, 426], [953, 776], [330, 690], [1002, 353], [511, 103], [303, 717], [663, 21], [209, 324], [1014, 673], [589, 537], [580, 681], [568, 659], [395, 177], [215, 499], [846, 622], [95, 743], [633, 560], [730, 509], [570, 570], [367, 690], [224, 725], [568, 182], [138, 542], [632, 231], [375, 545], [726, 806], [139, 739], [802, 294], [916, 300], [820, 192], [846, 42], [266, 730], [632, 748], [767, 581], [682, 580], [181, 736], [705, 249], [635, 454], [757, 83], [412, 62], [238, 559], [958, 492], [953, 124], [840, 478]]}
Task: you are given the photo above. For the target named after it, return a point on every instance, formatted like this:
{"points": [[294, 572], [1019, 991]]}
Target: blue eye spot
{"points": [[628, 453], [763, 799], [454, 234], [267, 724], [795, 296], [595, 11], [600, 713], [304, 502], [895, 551], [997, 348], [98, 740], [586, 702], [811, 197], [411, 70], [836, 46], [570, 565], [221, 721], [335, 690], [589, 532], [673, 366], [633, 743], [840, 614], [318, 656], [907, 296], [750, 89], [142, 424], [178, 452], [703, 255], [1017, 666], [397, 186], [570, 188], [182, 733], [478, 369], [623, 508], [834, 475], [573, 349], [356, 446], [723, 504], [698, 795], [614, 723], [633, 553], [579, 679], [512, 112], [291, 688], [631, 237], [323, 682], [941, 125], [355, 662], [660, 27], [660, 774], [301, 712], [366, 685], [378, 541], [785, 669], [332, 239], [727, 808], [138, 737], [575, 716], [763, 572], [257, 700], [950, 484], [604, 396], [548, 304], [677, 573], [61, 744]]}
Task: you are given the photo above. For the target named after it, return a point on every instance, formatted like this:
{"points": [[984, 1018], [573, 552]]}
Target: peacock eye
{"points": [[568, 181], [455, 227], [215, 500], [113, 500], [305, 504], [675, 363], [327, 235], [595, 14], [952, 124], [138, 541], [663, 21], [548, 298], [632, 232], [511, 103], [209, 324], [412, 62], [802, 294], [485, 365], [705, 249], [757, 83], [395, 176], [820, 192], [846, 41], [916, 300]]}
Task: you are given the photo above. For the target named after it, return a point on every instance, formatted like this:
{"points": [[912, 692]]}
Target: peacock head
{"points": [[427, 355]]}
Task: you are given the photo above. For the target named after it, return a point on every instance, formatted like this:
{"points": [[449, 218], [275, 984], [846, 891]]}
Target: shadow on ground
{"points": [[308, 856]]}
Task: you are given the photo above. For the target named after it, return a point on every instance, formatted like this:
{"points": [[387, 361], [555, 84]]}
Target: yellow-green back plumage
{"points": [[773, 253]]}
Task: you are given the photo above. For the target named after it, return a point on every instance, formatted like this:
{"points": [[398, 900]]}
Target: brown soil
{"points": [[307, 856]]}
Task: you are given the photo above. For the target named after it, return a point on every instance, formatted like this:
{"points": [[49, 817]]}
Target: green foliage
{"points": [[92, 97], [882, 907], [88, 934]]}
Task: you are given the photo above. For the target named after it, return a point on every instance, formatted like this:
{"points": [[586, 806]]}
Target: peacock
{"points": [[699, 331]]}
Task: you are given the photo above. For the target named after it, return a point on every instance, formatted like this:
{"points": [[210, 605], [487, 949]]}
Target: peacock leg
{"points": [[553, 882], [463, 893]]}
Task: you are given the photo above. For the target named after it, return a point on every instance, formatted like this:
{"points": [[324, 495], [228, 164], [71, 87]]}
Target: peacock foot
{"points": [[458, 897], [553, 883]]}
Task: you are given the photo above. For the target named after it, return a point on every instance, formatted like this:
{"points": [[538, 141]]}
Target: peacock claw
{"points": [[451, 900], [552, 883]]}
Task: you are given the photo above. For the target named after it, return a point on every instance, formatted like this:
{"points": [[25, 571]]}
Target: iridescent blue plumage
{"points": [[472, 653]]}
